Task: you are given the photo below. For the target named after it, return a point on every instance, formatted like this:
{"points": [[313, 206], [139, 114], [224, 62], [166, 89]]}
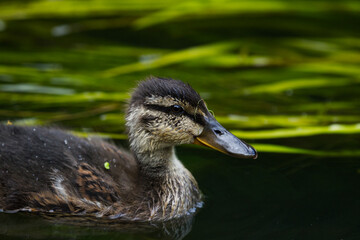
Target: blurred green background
{"points": [[282, 74], [268, 69]]}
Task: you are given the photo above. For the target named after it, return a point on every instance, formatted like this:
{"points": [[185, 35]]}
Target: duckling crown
{"points": [[164, 87]]}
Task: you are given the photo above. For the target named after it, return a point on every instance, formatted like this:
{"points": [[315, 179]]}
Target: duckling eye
{"points": [[176, 109]]}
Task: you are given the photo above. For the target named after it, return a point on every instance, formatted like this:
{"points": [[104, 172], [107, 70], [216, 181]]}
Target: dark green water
{"points": [[274, 197], [283, 75]]}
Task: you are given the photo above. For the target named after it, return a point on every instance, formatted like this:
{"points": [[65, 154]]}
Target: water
{"points": [[284, 77], [274, 197]]}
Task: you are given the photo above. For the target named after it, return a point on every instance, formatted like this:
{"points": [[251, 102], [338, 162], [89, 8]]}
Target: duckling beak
{"points": [[217, 137]]}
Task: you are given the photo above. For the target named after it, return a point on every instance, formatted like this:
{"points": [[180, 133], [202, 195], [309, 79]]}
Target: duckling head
{"points": [[163, 113]]}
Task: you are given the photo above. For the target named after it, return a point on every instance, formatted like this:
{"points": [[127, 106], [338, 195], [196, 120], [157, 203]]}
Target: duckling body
{"points": [[49, 170]]}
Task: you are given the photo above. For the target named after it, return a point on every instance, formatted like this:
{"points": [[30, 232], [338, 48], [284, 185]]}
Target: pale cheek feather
{"points": [[165, 128], [178, 130]]}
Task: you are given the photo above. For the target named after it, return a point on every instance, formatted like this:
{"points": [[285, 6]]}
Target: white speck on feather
{"points": [[66, 142]]}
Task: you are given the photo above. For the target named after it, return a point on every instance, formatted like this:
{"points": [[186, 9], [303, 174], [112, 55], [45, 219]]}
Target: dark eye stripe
{"points": [[158, 108], [198, 118]]}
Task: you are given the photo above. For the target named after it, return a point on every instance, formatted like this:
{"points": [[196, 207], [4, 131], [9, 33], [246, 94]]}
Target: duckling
{"points": [[48, 170]]}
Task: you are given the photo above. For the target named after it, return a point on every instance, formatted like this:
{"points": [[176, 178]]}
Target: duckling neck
{"points": [[159, 163], [170, 186]]}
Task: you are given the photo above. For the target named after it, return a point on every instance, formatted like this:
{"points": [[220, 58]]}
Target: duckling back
{"points": [[46, 169]]}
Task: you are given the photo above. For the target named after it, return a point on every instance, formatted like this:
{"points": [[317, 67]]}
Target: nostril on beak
{"points": [[218, 132]]}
